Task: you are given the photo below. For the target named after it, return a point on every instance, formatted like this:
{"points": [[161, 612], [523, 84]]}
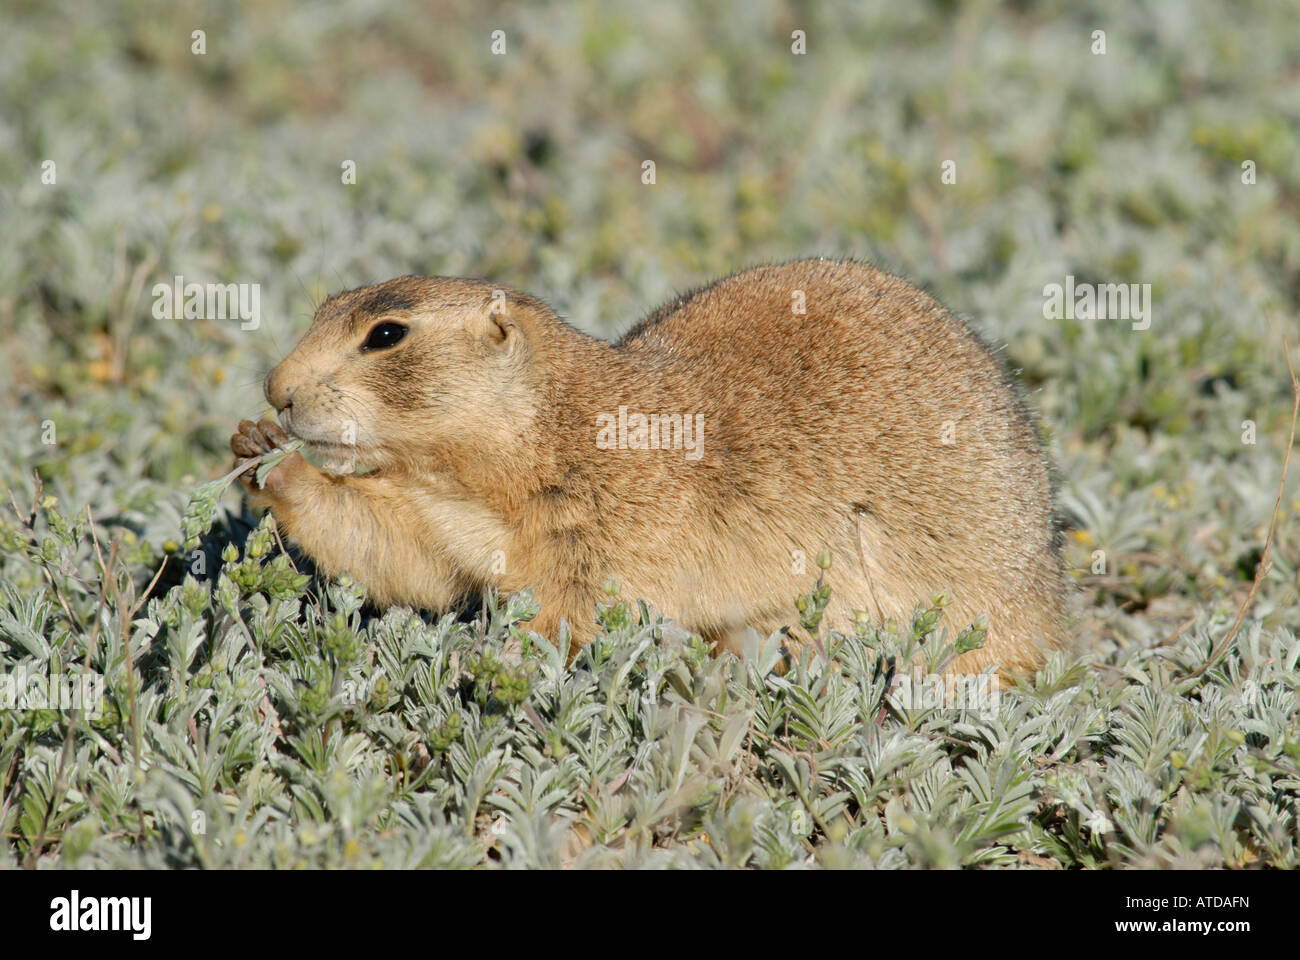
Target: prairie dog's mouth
{"points": [[340, 459], [335, 458]]}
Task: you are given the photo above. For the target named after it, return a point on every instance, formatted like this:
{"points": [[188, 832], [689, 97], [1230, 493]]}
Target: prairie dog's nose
{"points": [[279, 389]]}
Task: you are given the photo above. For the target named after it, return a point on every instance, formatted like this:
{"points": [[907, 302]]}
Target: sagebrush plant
{"points": [[253, 721], [254, 716]]}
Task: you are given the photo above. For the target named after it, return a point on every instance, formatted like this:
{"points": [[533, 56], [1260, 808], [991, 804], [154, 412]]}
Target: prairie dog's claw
{"points": [[253, 440], [272, 432]]}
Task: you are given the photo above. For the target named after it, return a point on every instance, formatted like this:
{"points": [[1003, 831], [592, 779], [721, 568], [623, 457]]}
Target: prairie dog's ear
{"points": [[503, 327]]}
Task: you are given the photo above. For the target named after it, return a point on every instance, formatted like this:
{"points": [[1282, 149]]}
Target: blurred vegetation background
{"points": [[526, 167]]}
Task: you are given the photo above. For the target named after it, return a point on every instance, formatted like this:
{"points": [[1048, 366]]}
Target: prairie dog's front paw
{"points": [[255, 439]]}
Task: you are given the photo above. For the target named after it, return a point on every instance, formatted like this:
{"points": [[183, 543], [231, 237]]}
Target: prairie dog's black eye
{"points": [[384, 335]]}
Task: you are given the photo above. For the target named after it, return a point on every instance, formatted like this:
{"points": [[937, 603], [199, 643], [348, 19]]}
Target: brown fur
{"points": [[823, 429]]}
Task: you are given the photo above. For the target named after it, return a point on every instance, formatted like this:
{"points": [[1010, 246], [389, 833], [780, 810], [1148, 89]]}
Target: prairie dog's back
{"points": [[877, 422]]}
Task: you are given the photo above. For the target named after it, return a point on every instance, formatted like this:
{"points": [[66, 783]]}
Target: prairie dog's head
{"points": [[413, 366]]}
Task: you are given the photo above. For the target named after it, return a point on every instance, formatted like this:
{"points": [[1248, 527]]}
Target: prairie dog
{"points": [[702, 461]]}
